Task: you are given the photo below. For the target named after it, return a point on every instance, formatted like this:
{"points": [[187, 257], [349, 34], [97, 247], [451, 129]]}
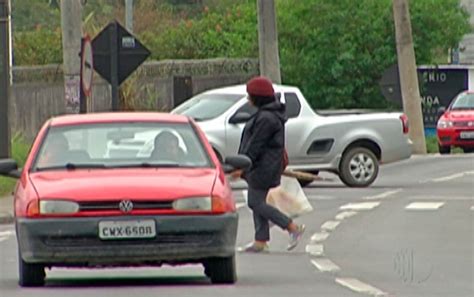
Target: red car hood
{"points": [[460, 115], [113, 184]]}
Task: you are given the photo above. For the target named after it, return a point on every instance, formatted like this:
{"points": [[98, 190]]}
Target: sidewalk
{"points": [[6, 210]]}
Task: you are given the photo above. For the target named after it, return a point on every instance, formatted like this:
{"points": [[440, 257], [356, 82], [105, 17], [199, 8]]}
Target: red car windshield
{"points": [[464, 101], [117, 145]]}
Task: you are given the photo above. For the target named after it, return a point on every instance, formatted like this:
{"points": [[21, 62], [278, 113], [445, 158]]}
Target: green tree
{"points": [[232, 34], [336, 51], [31, 14]]}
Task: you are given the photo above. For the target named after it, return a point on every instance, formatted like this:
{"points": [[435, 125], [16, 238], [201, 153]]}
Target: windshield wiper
{"points": [[73, 166], [151, 165]]}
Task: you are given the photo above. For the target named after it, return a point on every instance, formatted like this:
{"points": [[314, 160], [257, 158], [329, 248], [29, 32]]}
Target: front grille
{"points": [[463, 124], [114, 205], [161, 239]]}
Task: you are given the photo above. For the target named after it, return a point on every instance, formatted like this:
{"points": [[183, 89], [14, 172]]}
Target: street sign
{"points": [[438, 86], [131, 53], [87, 66], [117, 53]]}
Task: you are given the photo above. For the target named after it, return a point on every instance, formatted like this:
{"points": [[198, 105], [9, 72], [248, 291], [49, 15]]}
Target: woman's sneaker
{"points": [[295, 237], [255, 248]]}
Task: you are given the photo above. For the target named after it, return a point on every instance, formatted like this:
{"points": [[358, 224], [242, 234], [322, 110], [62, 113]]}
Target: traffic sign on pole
{"points": [[87, 66], [117, 54]]}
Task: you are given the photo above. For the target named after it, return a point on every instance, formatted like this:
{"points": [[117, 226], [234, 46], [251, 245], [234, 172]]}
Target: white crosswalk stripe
{"points": [[424, 205], [360, 287], [325, 265], [360, 206], [6, 233]]}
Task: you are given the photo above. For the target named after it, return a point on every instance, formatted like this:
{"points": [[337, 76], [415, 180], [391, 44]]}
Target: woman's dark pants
{"points": [[263, 213]]}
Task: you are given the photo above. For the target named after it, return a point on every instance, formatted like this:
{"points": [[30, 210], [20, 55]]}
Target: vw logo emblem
{"points": [[126, 206], [470, 124]]}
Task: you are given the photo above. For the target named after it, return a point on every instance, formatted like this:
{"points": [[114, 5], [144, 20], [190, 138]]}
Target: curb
{"points": [[6, 218]]}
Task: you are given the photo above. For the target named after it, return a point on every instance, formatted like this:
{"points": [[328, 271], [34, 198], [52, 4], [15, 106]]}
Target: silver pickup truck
{"points": [[349, 145]]}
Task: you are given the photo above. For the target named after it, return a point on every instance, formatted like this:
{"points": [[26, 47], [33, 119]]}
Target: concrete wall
{"points": [[38, 92]]}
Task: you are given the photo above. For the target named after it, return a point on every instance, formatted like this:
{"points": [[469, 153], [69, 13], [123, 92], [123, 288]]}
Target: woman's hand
{"points": [[236, 174]]}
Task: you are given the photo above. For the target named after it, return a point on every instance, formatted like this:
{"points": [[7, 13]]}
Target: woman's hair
{"points": [[260, 101]]}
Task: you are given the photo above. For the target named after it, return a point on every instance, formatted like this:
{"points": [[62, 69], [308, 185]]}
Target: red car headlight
{"points": [[193, 204], [57, 207], [444, 124]]}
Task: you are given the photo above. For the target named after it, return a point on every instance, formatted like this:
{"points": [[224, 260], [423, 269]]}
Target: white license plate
{"points": [[127, 229], [467, 135]]}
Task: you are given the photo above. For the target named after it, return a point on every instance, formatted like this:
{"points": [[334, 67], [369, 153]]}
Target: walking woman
{"points": [[263, 141]]}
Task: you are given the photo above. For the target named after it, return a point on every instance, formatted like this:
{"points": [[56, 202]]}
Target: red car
{"points": [[124, 189], [456, 126]]}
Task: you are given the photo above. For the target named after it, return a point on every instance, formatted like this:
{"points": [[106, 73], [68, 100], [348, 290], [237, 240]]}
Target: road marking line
{"points": [[240, 205], [424, 205], [360, 206], [3, 238], [383, 195], [360, 287], [325, 265], [330, 225], [6, 233], [319, 237], [448, 178], [472, 207], [315, 249], [345, 214]]}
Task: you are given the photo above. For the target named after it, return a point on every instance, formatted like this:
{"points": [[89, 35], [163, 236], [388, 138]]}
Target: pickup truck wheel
{"points": [[444, 150], [359, 167], [31, 275], [468, 150], [221, 270]]}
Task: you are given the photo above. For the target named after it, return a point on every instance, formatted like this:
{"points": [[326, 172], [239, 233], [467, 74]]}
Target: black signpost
{"points": [[117, 53]]}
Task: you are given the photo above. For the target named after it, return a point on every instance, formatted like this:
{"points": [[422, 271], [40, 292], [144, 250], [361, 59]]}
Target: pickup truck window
{"points": [[207, 106], [293, 105]]}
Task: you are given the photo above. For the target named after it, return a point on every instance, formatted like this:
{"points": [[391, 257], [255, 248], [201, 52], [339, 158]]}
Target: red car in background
{"points": [[456, 125], [124, 189]]}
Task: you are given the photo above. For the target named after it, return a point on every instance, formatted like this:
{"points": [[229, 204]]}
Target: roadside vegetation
{"points": [[335, 51], [20, 149]]}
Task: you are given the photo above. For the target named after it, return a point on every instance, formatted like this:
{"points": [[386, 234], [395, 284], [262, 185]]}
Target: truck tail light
{"points": [[405, 126]]}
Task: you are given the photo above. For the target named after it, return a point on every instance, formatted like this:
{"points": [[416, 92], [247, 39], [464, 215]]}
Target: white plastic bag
{"points": [[289, 198]]}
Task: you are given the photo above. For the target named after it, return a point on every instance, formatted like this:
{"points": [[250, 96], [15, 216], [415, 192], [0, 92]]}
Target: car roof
{"points": [[117, 117], [242, 89]]}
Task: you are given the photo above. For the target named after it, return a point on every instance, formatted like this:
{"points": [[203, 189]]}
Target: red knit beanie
{"points": [[260, 86]]}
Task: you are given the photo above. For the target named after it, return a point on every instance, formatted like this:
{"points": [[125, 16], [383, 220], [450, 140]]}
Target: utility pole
{"points": [[408, 75], [268, 40], [4, 78], [129, 15], [71, 25]]}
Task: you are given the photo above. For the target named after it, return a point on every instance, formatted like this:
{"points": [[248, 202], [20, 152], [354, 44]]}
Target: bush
{"points": [[38, 47], [20, 149]]}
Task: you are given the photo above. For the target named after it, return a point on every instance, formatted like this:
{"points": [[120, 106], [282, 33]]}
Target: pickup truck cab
{"points": [[349, 145]]}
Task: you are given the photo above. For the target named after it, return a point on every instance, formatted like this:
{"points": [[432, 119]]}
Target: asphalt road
{"points": [[410, 234]]}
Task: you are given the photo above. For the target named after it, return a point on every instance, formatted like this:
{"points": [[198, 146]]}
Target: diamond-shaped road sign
{"points": [[130, 52]]}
